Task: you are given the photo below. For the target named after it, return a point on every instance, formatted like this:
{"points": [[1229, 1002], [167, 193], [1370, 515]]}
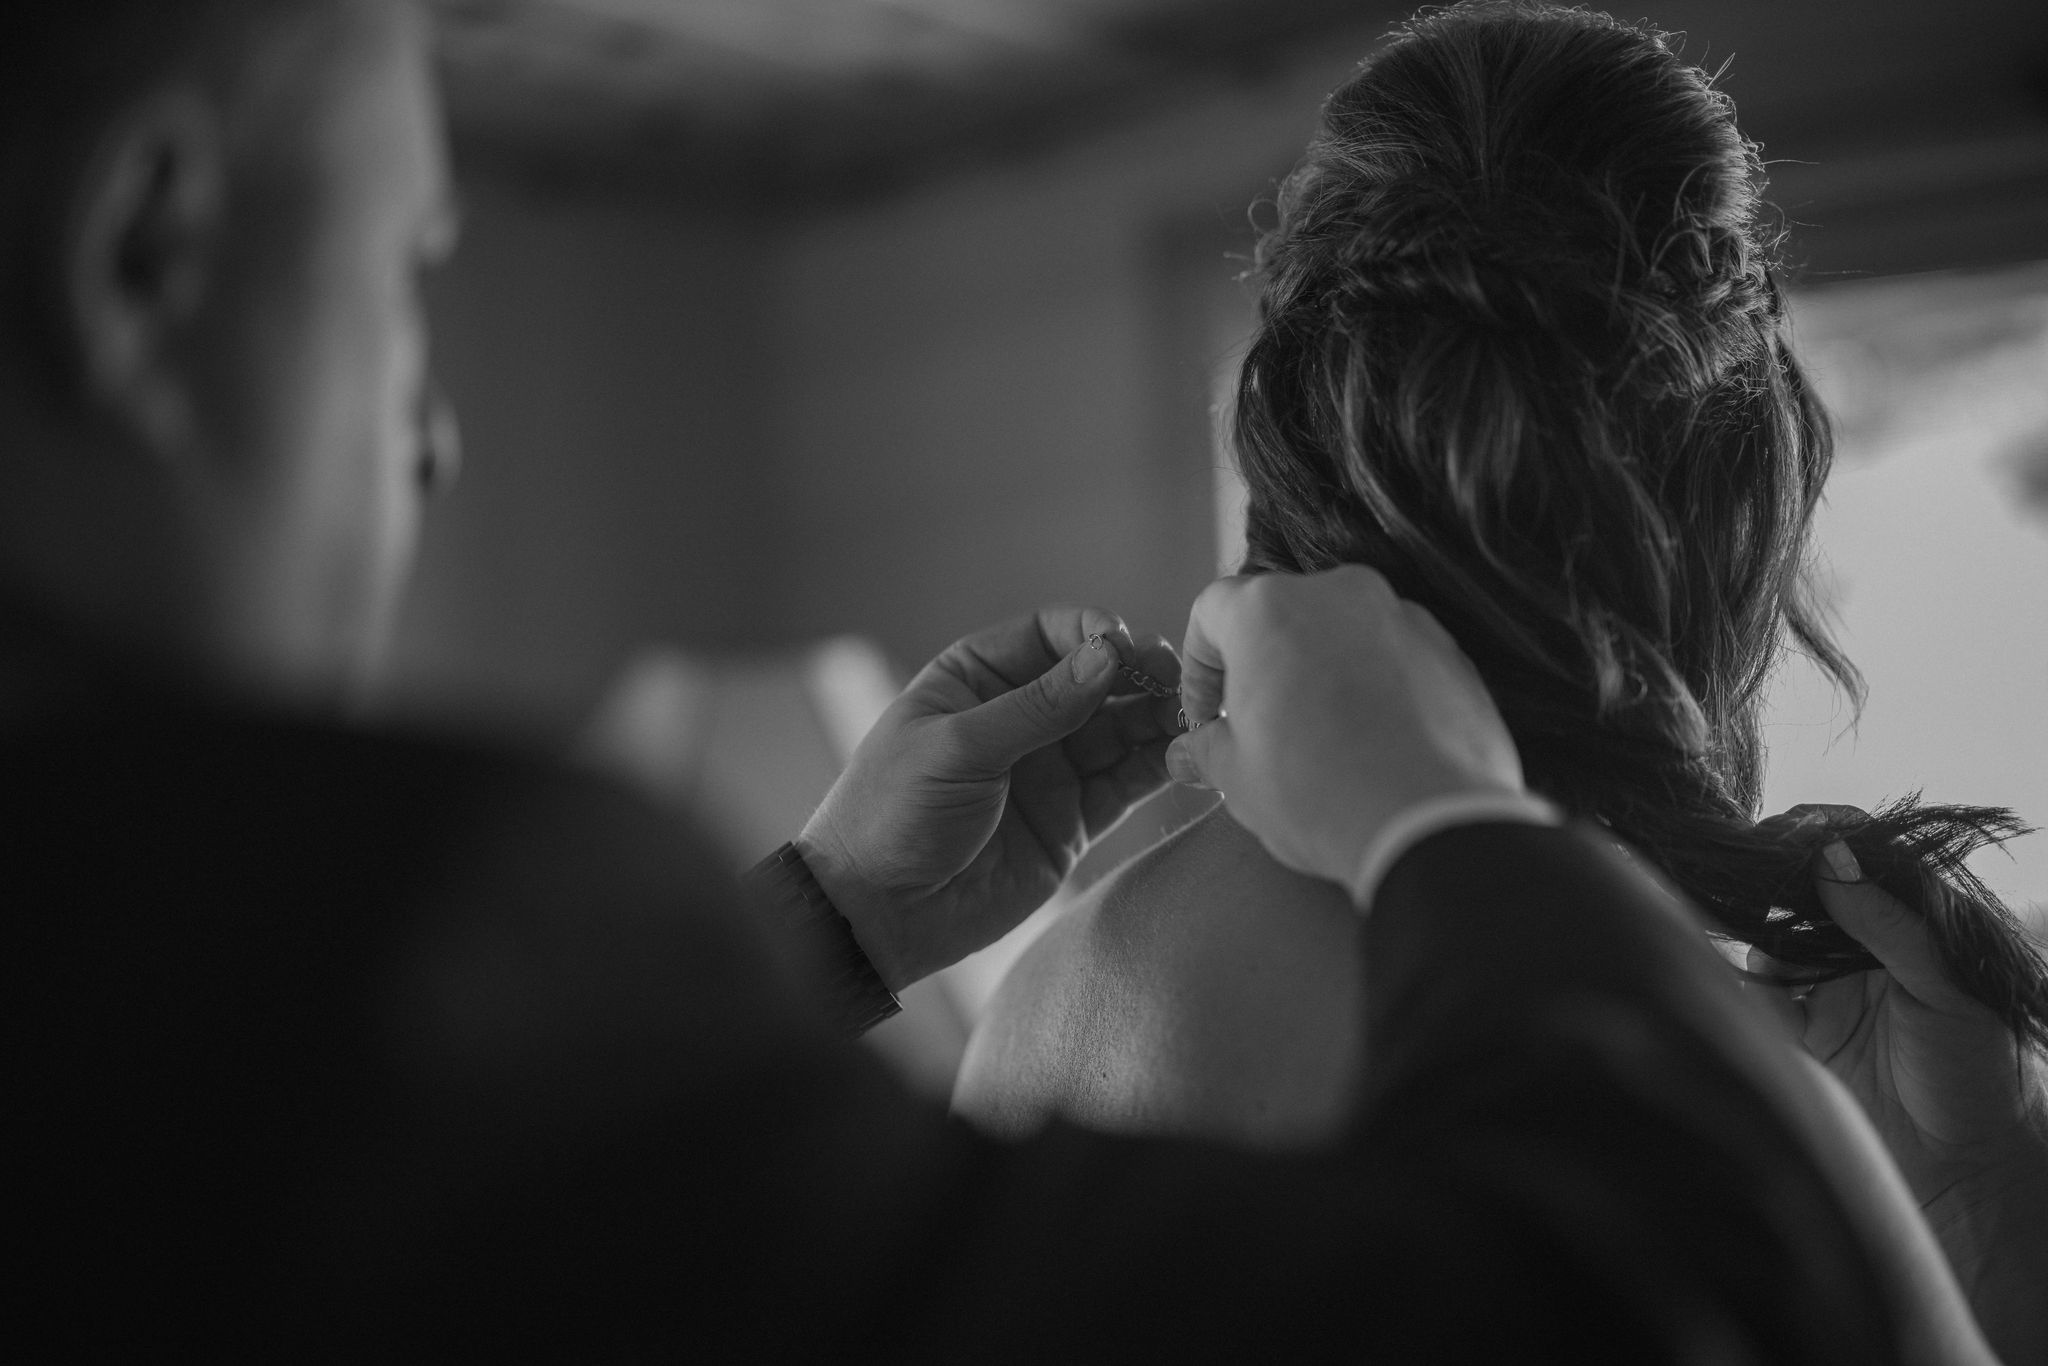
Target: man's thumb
{"points": [[1044, 711]]}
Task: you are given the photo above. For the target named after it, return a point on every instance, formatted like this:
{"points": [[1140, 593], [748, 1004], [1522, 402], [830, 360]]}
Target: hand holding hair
{"points": [[1347, 708], [983, 784], [1960, 1100]]}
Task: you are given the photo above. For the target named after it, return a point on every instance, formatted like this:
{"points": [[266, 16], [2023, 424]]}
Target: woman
{"points": [[1521, 351]]}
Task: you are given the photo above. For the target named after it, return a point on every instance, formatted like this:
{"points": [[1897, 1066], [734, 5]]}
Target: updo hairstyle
{"points": [[1521, 349]]}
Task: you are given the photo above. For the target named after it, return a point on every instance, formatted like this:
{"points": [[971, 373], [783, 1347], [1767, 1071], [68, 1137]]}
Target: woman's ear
{"points": [[144, 221]]}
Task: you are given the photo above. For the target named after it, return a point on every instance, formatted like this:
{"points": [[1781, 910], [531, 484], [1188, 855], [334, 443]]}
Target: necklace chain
{"points": [[1139, 678]]}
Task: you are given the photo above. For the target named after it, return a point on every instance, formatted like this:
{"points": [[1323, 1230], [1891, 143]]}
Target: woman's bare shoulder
{"points": [[1200, 988]]}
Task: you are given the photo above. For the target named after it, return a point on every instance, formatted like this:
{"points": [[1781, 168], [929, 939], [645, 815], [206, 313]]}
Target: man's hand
{"points": [[1959, 1101], [1326, 706], [985, 781]]}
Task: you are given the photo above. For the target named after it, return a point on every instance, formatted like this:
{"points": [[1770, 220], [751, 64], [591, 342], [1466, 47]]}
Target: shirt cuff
{"points": [[852, 994], [1418, 822]]}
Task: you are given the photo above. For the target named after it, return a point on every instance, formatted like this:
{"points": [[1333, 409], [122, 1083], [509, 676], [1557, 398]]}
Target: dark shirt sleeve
{"points": [[1570, 1152], [1552, 1029], [322, 1051]]}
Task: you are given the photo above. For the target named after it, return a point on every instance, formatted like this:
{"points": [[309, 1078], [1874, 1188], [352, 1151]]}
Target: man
{"points": [[328, 1042]]}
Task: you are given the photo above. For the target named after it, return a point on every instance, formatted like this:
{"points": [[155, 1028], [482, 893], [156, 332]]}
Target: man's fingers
{"points": [[1069, 627], [1211, 632], [1422, 622], [1159, 663], [1106, 797], [1880, 922], [1119, 726], [1202, 758], [1222, 617], [1041, 677], [1153, 657], [1010, 654], [1043, 711]]}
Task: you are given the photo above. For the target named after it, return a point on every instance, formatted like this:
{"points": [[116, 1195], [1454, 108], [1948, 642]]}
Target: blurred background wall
{"points": [[781, 319], [609, 364]]}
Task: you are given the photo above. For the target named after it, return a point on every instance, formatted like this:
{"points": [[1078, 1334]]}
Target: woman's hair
{"points": [[1522, 351]]}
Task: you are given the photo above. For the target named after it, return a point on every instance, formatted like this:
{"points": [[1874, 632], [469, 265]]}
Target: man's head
{"points": [[216, 421]]}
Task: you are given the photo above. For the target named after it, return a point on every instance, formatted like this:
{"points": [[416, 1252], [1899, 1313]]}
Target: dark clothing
{"points": [[332, 1043]]}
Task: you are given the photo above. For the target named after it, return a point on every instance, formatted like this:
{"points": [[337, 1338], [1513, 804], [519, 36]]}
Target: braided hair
{"points": [[1522, 350]]}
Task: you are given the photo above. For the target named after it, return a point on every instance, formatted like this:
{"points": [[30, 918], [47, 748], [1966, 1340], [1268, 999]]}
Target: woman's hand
{"points": [[979, 788], [1961, 1103]]}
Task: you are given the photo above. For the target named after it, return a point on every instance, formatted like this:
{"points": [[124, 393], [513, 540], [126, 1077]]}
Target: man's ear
{"points": [[144, 221]]}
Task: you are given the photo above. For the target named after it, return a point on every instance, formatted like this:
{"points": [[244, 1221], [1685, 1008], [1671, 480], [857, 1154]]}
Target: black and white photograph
{"points": [[1025, 680]]}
